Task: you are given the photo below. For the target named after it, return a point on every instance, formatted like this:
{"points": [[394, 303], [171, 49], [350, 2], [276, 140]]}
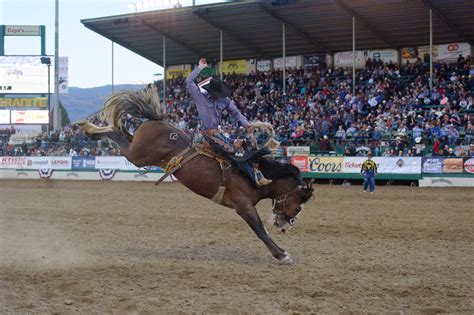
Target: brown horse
{"points": [[156, 142]]}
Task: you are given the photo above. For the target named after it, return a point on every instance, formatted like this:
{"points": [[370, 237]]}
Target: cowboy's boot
{"points": [[260, 179]]}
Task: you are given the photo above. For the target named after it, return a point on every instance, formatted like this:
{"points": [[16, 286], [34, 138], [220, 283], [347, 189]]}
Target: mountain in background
{"points": [[83, 102]]}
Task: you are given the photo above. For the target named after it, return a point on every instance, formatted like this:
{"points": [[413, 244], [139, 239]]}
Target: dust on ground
{"points": [[94, 247]]}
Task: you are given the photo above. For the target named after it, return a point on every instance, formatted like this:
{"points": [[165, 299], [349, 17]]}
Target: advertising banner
{"points": [[13, 162], [314, 60], [4, 116], [29, 117], [300, 162], [61, 163], [22, 30], [264, 65], [83, 162], [385, 55], [469, 165], [344, 59], [27, 74], [291, 62], [63, 75], [298, 151], [433, 165], [39, 162], [385, 165], [24, 102], [325, 164], [410, 54], [179, 70], [114, 163], [451, 52], [453, 165], [239, 66]]}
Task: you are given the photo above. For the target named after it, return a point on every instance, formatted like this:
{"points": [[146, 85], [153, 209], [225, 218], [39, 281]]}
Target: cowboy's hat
{"points": [[217, 88]]}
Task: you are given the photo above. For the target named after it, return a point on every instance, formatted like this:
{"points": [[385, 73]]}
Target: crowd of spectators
{"points": [[393, 111]]}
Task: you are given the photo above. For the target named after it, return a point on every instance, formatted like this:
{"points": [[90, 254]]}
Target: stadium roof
{"points": [[254, 28]]}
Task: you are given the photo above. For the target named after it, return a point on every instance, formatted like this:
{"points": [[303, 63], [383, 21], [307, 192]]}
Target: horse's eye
{"points": [[298, 209]]}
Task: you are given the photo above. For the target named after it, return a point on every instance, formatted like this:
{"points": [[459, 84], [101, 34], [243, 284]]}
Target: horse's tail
{"points": [[143, 104]]}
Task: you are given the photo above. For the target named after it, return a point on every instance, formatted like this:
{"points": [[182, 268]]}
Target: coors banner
{"points": [[314, 60]]}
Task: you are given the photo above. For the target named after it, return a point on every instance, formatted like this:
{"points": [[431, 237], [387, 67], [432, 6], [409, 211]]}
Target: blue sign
{"points": [[83, 162], [433, 165]]}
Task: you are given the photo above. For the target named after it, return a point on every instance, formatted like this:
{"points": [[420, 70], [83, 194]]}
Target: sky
{"points": [[90, 61]]}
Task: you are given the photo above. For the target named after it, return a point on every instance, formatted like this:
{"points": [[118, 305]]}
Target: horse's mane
{"points": [[273, 170]]}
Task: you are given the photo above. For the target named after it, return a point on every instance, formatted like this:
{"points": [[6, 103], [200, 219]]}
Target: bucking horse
{"points": [[158, 143]]}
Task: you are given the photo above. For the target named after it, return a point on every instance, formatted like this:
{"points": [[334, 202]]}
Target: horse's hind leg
{"points": [[252, 218]]}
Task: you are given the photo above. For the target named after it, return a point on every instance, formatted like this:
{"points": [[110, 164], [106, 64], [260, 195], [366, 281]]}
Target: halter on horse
{"points": [[156, 142]]}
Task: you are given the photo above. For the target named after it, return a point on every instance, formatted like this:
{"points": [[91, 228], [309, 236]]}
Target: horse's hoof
{"points": [[287, 260]]}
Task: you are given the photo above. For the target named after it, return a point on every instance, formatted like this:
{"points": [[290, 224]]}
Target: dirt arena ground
{"points": [[94, 247]]}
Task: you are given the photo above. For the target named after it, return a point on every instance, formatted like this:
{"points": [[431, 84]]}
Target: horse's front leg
{"points": [[252, 218]]}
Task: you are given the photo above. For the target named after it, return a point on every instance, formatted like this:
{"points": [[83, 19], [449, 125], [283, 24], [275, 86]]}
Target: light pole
{"points": [[47, 61]]}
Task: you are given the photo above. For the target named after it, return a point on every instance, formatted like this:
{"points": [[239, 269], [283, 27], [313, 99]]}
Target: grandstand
{"points": [[393, 111]]}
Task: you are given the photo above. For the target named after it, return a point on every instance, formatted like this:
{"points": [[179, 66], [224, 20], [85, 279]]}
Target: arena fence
{"points": [[429, 171]]}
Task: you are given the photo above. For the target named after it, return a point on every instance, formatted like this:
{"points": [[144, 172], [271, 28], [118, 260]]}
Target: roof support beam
{"points": [[446, 21], [308, 37], [171, 37], [380, 35], [228, 31]]}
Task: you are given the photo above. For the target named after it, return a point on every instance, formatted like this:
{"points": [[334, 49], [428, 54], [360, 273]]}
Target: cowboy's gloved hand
{"points": [[202, 63]]}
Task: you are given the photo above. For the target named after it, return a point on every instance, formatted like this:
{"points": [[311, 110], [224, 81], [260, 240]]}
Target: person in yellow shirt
{"points": [[369, 170]]}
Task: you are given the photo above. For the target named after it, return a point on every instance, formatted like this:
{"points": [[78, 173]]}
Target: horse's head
{"points": [[287, 207]]}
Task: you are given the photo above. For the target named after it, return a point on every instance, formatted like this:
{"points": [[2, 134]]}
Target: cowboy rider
{"points": [[210, 105]]}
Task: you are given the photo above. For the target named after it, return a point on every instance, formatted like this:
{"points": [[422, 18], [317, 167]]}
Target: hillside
{"points": [[82, 102]]}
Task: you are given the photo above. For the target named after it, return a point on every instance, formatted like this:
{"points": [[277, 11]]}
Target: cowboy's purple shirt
{"points": [[210, 111]]}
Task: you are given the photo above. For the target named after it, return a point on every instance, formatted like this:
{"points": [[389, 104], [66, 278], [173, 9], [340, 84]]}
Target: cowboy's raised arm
{"points": [[191, 86], [235, 112]]}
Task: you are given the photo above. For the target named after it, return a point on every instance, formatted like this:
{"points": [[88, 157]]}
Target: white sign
{"points": [[384, 55], [63, 75], [39, 162], [114, 163], [291, 62], [385, 165], [4, 117], [13, 162], [451, 52], [446, 52], [344, 59], [61, 163], [22, 30], [29, 117], [26, 74], [264, 65], [298, 151]]}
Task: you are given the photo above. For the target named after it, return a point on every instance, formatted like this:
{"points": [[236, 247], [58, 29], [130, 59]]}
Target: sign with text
{"points": [[325, 164], [83, 163], [290, 62], [385, 165], [24, 102], [453, 165], [237, 66], [264, 65], [433, 165], [36, 117], [4, 117], [22, 30], [179, 70], [344, 59], [27, 75], [469, 165], [314, 60], [300, 162]]}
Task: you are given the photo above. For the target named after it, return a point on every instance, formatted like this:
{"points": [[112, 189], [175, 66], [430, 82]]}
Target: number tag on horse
{"points": [[173, 136]]}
